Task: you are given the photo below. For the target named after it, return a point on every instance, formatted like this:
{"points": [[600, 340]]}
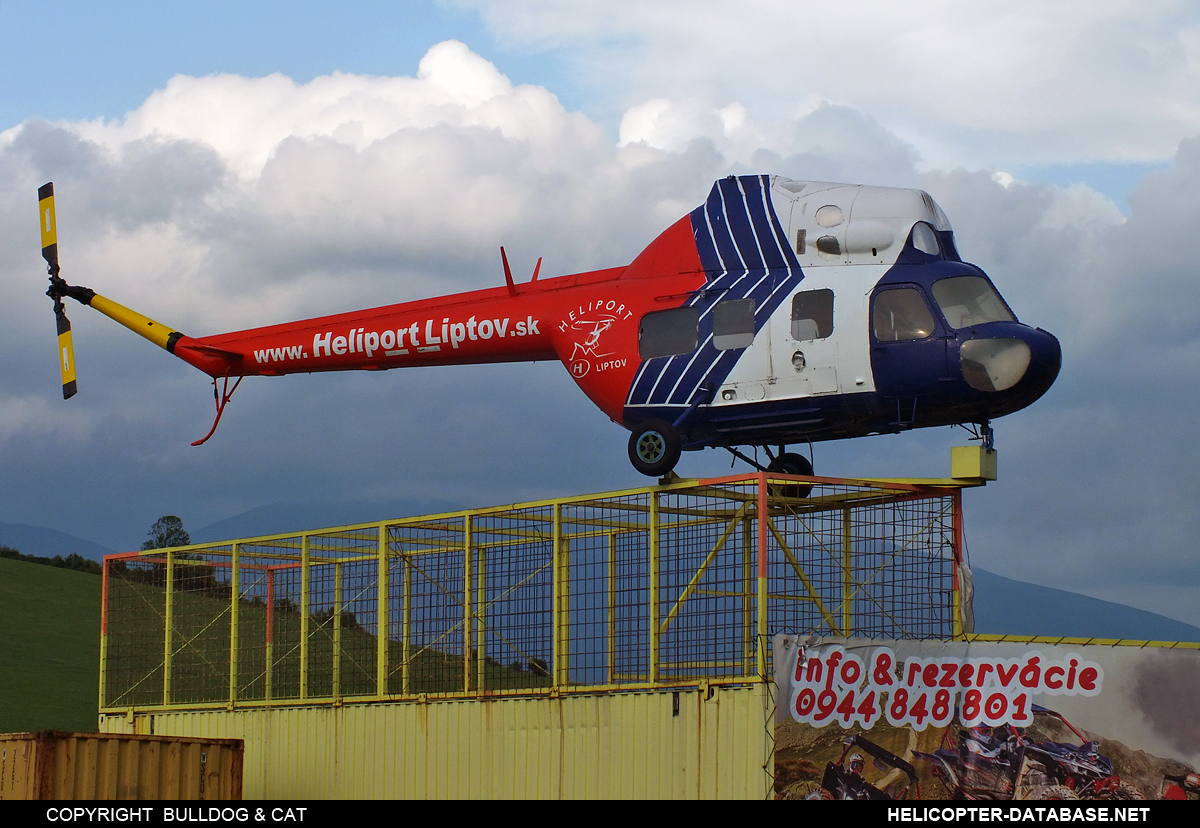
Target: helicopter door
{"points": [[804, 347], [908, 357], [733, 330]]}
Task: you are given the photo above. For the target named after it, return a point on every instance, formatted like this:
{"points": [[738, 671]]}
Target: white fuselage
{"points": [[846, 237]]}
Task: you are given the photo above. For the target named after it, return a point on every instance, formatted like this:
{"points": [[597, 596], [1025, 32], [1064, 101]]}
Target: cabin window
{"points": [[812, 314], [829, 246], [733, 324], [970, 300], [901, 315], [828, 216], [669, 332]]}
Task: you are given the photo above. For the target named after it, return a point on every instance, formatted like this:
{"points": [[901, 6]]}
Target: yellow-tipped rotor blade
{"points": [[49, 226], [66, 356], [66, 346]]}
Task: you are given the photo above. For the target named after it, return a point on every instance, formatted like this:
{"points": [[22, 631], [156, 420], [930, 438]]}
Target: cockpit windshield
{"points": [[970, 300]]}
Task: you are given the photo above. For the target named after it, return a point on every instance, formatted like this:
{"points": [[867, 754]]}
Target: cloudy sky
{"points": [[226, 165]]}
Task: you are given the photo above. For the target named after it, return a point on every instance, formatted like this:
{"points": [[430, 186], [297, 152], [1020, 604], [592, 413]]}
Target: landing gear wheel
{"points": [[654, 448], [792, 463]]}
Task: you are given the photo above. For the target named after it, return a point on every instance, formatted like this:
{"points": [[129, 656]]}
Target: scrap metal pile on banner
{"points": [[1030, 719]]}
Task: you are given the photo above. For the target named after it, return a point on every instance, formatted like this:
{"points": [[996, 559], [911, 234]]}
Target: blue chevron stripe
{"points": [[745, 253]]}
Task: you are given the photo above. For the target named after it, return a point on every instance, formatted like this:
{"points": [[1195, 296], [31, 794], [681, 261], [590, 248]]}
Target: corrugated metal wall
{"points": [[52, 764], [709, 743]]}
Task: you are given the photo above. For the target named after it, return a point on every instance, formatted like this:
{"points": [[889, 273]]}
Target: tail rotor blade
{"points": [[66, 355], [49, 227], [66, 346]]}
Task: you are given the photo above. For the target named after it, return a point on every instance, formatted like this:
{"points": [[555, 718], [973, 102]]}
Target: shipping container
{"points": [[695, 743], [53, 764]]}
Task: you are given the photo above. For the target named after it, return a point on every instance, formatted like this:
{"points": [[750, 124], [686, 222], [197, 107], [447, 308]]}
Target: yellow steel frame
{"points": [[734, 503], [1100, 642], [234, 622], [381, 647], [169, 629]]}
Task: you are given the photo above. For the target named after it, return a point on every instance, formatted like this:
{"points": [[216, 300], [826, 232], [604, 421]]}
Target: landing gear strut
{"points": [[785, 462], [988, 436], [982, 432]]}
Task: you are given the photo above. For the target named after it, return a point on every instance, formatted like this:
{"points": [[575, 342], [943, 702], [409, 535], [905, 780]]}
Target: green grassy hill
{"points": [[49, 648]]}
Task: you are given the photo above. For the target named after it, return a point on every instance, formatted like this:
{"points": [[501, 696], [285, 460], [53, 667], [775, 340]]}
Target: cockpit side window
{"points": [[970, 300], [812, 314], [669, 332], [901, 315], [733, 324]]}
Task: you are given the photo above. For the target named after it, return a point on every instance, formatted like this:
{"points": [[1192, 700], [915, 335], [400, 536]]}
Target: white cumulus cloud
{"points": [[226, 202], [981, 84]]}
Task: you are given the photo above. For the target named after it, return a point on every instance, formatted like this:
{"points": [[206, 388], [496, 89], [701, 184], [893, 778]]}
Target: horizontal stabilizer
{"points": [[211, 350]]}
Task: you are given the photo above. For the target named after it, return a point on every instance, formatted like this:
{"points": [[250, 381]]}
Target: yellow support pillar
{"points": [[612, 607], [305, 562], [406, 628], [561, 671], [381, 618], [481, 620], [270, 632], [655, 629], [468, 603], [103, 632], [337, 630], [169, 624], [760, 636], [235, 616], [565, 621], [747, 594], [956, 622]]}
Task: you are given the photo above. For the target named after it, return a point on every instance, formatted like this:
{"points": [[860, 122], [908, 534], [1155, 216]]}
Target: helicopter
{"points": [[777, 313]]}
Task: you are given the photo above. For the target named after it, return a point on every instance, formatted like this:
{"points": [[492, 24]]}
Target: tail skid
{"points": [[221, 400]]}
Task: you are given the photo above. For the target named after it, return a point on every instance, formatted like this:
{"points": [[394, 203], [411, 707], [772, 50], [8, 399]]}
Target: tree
{"points": [[167, 531]]}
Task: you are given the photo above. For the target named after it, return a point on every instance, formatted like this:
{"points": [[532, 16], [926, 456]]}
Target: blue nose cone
{"points": [[1010, 365], [1045, 361]]}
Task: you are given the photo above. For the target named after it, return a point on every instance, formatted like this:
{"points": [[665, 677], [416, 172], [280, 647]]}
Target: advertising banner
{"points": [[994, 720]]}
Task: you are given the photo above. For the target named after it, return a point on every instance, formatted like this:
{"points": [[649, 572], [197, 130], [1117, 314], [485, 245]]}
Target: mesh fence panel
{"points": [[630, 588], [514, 595], [136, 600]]}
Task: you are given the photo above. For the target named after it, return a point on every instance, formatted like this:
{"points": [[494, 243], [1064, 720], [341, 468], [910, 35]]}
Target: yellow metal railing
{"points": [[663, 586]]}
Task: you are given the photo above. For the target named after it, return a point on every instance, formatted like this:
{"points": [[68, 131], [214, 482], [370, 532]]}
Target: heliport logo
{"points": [[593, 321], [423, 339]]}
